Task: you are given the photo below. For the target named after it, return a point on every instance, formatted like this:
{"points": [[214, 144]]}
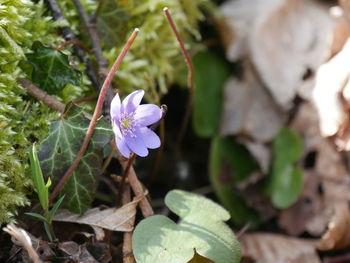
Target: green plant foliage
{"points": [[155, 58], [229, 163], [209, 83], [22, 121], [285, 180], [59, 149], [50, 69], [157, 239]]}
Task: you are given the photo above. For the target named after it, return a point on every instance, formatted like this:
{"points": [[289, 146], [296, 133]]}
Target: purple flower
{"points": [[130, 121]]}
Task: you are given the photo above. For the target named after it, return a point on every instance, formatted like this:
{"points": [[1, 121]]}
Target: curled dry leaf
{"points": [[120, 219], [267, 248], [338, 233], [248, 109], [24, 240], [287, 40], [330, 80]]}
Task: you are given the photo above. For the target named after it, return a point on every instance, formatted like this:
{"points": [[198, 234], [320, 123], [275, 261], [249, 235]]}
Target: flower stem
{"points": [[125, 174], [189, 76], [95, 116]]}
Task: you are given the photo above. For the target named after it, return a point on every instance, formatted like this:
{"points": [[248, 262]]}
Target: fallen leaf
{"points": [[330, 79], [248, 109], [338, 234], [268, 248], [76, 253], [120, 219], [286, 40]]}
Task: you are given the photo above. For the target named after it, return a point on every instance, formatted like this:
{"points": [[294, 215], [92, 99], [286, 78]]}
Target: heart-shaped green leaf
{"points": [[50, 69], [158, 239], [59, 149]]}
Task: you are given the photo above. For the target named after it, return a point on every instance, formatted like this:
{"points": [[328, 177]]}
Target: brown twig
{"points": [[41, 95], [127, 238], [72, 42], [102, 63], [110, 156], [76, 101], [137, 188], [68, 34], [95, 116], [190, 76], [124, 176], [340, 259]]}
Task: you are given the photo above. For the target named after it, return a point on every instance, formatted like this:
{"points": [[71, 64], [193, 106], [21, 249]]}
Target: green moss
{"points": [[22, 119]]}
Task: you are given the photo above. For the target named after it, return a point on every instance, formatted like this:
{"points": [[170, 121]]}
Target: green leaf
{"points": [[211, 73], [51, 70], [157, 239], [54, 208], [231, 162], [285, 180], [47, 230], [38, 179], [59, 149], [38, 216]]}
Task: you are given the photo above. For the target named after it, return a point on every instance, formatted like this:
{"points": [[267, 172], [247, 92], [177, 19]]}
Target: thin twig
{"points": [[102, 63], [124, 176], [95, 116], [72, 42], [190, 76], [127, 238], [243, 230], [69, 36], [76, 101], [41, 95], [137, 188], [110, 156]]}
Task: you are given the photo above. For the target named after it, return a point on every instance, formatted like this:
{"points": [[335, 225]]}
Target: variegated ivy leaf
{"points": [[59, 149]]}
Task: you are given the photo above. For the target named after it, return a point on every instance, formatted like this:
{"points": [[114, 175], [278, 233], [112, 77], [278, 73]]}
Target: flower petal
{"points": [[132, 101], [147, 114], [115, 107], [122, 146], [136, 145], [150, 138]]}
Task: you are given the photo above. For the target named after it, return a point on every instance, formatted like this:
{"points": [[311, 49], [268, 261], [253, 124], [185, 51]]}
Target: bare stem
{"points": [[189, 76], [127, 238], [125, 174], [41, 95], [95, 116], [72, 42]]}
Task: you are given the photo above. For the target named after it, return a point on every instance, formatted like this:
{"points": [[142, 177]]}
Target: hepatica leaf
{"points": [[59, 149], [209, 83], [158, 239], [230, 162], [50, 69], [285, 180]]}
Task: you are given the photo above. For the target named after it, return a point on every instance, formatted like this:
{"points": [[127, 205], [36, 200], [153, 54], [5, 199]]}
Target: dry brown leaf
{"points": [[268, 248], [248, 109], [310, 202], [330, 80], [338, 233], [287, 40], [120, 219]]}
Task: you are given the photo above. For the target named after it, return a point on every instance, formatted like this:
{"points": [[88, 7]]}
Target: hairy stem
{"points": [[95, 116]]}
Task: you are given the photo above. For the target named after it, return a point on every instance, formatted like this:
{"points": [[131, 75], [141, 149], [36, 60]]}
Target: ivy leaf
{"points": [[285, 180], [50, 69], [230, 162], [59, 149], [157, 239], [209, 84]]}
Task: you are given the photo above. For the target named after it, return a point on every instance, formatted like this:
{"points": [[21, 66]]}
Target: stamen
{"points": [[128, 124]]}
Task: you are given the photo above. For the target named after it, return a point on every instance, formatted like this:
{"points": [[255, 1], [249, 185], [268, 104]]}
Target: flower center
{"points": [[128, 124]]}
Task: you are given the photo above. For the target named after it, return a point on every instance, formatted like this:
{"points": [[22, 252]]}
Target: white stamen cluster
{"points": [[128, 124]]}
